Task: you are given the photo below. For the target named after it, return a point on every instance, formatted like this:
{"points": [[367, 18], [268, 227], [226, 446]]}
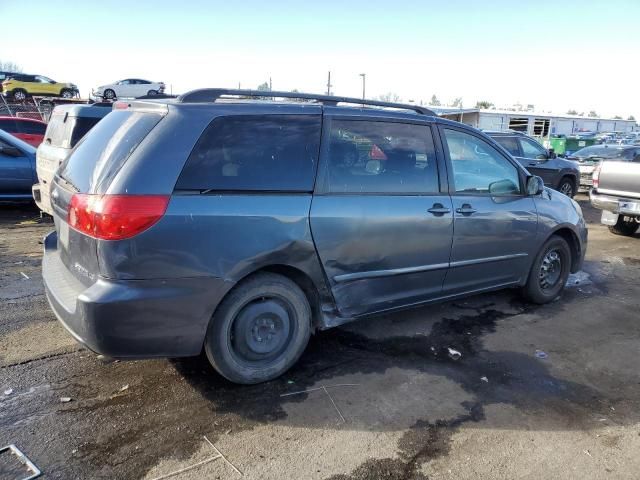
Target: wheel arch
{"points": [[314, 293], [574, 245]]}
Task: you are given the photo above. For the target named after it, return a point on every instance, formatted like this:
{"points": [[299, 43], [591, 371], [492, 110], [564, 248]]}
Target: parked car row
{"points": [[357, 211]]}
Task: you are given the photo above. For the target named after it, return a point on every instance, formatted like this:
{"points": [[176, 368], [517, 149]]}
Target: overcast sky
{"points": [[557, 55]]}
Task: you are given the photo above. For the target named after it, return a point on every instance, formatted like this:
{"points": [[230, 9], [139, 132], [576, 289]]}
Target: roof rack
{"points": [[213, 94]]}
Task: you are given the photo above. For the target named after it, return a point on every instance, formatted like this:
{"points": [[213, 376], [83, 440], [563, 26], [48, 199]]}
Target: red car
{"points": [[26, 129]]}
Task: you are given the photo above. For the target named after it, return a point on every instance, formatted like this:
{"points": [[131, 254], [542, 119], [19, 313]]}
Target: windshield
{"points": [[601, 152]]}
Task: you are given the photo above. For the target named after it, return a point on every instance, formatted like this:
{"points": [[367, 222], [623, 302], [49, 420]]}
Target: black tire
{"points": [[109, 94], [624, 227], [567, 186], [152, 93], [19, 95], [66, 93], [259, 330], [549, 272]]}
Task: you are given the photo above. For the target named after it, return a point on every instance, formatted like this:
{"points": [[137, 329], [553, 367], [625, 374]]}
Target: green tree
{"points": [[617, 117], [263, 87], [632, 118], [572, 112], [434, 101], [592, 114], [484, 104]]}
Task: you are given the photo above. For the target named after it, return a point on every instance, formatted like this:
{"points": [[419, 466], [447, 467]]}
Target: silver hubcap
{"points": [[567, 189], [66, 94], [550, 270], [19, 96]]}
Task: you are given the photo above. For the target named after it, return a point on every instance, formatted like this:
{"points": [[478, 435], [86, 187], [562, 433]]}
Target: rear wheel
{"points": [[567, 187], [109, 94], [549, 272], [19, 95], [624, 227], [259, 330], [66, 93], [152, 92]]}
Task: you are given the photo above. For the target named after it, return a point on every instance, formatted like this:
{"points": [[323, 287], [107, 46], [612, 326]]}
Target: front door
{"points": [[16, 172], [536, 160], [495, 222], [381, 225]]}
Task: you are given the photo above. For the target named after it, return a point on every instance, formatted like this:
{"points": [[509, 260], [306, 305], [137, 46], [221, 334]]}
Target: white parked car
{"points": [[129, 88]]}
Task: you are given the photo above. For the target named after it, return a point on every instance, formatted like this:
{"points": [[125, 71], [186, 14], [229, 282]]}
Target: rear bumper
{"points": [[131, 318], [41, 197], [610, 202]]}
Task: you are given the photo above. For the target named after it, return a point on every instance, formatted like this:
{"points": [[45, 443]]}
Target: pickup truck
{"points": [[616, 191]]}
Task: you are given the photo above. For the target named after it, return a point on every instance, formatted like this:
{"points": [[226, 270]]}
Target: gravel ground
{"points": [[396, 406]]}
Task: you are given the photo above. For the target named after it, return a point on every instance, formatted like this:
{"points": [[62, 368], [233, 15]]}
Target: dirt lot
{"points": [[408, 409]]}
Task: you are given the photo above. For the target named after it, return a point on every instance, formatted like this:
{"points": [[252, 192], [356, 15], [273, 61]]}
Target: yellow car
{"points": [[20, 86]]}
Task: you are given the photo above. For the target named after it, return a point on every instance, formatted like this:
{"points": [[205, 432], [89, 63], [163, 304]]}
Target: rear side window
{"points": [[381, 157], [99, 156], [64, 131], [81, 126], [510, 144], [255, 153]]}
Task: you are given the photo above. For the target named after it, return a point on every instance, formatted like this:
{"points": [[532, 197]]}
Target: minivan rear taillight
{"points": [[596, 176], [115, 217]]}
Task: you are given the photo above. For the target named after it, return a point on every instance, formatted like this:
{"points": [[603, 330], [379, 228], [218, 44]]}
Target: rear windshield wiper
{"points": [[69, 183]]}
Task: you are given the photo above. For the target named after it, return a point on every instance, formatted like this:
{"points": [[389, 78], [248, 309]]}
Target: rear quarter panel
{"points": [[620, 178]]}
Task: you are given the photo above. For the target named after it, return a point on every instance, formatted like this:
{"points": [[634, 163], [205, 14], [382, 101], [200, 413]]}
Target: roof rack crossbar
{"points": [[212, 94]]}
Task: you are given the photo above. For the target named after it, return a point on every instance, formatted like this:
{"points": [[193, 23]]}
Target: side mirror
{"points": [[10, 151], [52, 81], [552, 153], [535, 185]]}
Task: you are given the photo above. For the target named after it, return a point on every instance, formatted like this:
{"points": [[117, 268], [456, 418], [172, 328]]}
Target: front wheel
{"points": [[624, 227], [567, 187], [66, 93], [109, 94], [152, 93], [259, 330], [549, 272]]}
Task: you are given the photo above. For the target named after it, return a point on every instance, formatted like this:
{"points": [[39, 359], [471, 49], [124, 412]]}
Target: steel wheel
{"points": [[262, 330], [67, 94], [550, 270]]}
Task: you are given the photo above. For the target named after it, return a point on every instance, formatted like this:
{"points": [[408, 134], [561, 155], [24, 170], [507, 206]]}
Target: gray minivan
{"points": [[66, 127], [238, 227]]}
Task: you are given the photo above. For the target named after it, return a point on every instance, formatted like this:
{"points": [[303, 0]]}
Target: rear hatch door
{"points": [[90, 169]]}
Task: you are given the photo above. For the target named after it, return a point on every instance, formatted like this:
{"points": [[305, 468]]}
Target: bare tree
{"points": [[457, 102], [390, 97], [632, 118], [263, 87], [434, 101], [10, 67], [617, 117]]}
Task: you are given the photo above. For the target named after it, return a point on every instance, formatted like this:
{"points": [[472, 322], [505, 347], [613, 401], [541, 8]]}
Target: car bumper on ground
{"points": [[131, 318]]}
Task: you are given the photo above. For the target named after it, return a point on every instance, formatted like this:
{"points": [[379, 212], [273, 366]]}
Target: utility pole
{"points": [[270, 87], [364, 78], [329, 83]]}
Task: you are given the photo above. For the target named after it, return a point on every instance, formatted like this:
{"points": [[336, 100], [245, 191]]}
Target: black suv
{"points": [[558, 173], [240, 226]]}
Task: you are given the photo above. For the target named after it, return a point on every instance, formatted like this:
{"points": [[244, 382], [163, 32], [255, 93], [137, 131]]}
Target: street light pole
{"points": [[364, 78]]}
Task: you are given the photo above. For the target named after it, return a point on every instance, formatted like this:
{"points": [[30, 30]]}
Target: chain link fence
{"points": [[31, 108]]}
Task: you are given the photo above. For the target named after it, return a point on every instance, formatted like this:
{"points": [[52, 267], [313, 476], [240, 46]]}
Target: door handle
{"points": [[466, 209], [438, 209], [533, 164]]}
